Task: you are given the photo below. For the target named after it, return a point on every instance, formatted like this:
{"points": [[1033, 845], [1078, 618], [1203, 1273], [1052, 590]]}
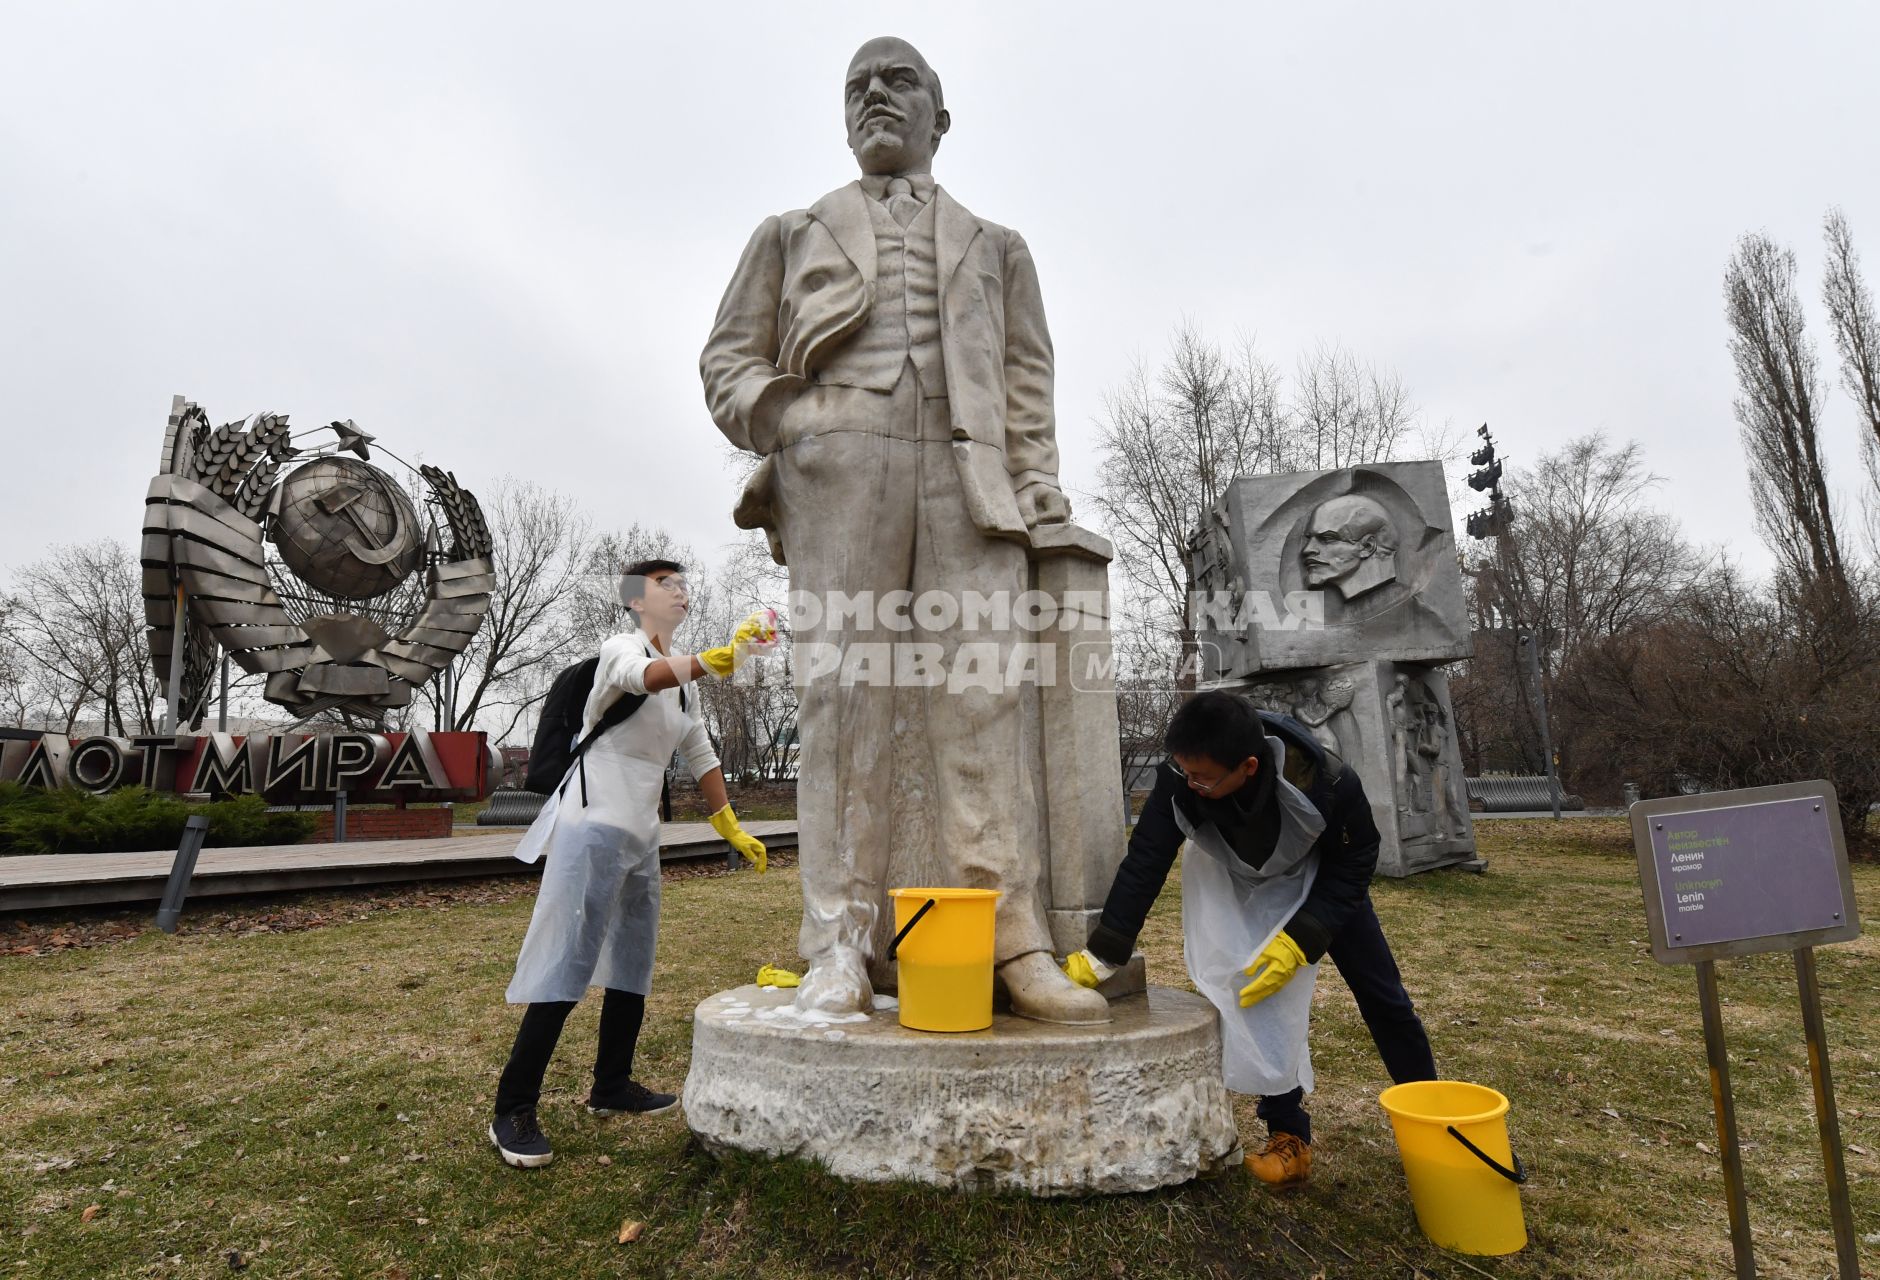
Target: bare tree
{"points": [[1597, 557], [541, 555], [1741, 686], [597, 610], [20, 703], [1148, 686], [1775, 406], [1345, 413], [77, 618], [1171, 442], [753, 716], [1857, 338], [1591, 558], [1175, 437]]}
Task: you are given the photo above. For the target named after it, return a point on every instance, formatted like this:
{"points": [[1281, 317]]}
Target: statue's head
{"points": [[892, 104], [1350, 544]]}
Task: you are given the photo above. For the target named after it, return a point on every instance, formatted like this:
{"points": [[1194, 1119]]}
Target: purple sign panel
{"points": [[1726, 869], [1746, 871]]}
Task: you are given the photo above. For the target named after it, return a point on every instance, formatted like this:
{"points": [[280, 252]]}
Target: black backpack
{"points": [[555, 750]]}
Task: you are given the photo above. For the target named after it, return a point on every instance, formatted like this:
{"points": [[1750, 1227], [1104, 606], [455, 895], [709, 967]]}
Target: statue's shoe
{"points": [[1041, 991], [837, 983]]}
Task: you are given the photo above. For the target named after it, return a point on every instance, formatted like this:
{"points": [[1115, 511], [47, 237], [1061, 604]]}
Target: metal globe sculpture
{"points": [[346, 529]]}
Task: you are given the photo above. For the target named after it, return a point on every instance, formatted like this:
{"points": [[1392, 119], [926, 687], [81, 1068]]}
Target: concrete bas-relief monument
{"points": [[1377, 545], [885, 353]]}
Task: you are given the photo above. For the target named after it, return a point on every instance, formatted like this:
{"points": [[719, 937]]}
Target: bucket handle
{"points": [[896, 944], [1519, 1175]]}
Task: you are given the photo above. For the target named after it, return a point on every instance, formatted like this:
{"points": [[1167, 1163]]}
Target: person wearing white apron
{"points": [[596, 915], [1281, 850]]}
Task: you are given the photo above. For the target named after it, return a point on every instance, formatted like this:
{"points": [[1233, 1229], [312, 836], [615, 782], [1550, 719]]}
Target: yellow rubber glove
{"points": [[725, 823], [1272, 969], [723, 660], [1086, 970], [771, 976]]}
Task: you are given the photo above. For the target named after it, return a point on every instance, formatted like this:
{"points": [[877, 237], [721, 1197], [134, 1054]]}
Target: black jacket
{"points": [[1347, 848]]}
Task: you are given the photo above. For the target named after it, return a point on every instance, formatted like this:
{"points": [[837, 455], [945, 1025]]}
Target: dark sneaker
{"points": [[634, 1099], [520, 1139]]}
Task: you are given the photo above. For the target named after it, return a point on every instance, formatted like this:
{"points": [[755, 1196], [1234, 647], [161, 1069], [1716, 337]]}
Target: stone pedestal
{"points": [[1078, 775], [1024, 1106]]}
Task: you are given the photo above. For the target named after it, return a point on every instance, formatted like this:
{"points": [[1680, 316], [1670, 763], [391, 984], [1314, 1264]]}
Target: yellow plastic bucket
{"points": [[1465, 1180], [943, 947]]}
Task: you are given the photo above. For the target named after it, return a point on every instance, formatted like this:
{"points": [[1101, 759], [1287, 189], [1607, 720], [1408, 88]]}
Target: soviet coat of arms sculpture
{"points": [[324, 579]]}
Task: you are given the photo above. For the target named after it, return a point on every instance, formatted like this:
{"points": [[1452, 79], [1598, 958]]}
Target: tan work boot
{"points": [[1285, 1161], [1039, 990]]}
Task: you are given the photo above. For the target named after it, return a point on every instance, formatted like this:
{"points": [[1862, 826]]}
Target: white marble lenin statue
{"points": [[885, 351]]}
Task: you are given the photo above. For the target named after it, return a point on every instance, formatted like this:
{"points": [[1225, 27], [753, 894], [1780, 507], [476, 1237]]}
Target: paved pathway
{"points": [[80, 879]]}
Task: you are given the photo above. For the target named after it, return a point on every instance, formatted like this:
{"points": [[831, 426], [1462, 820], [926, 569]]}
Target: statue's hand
{"points": [[1042, 503], [768, 409]]}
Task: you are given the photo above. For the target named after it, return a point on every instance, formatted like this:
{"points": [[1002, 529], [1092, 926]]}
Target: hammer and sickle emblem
{"points": [[341, 499]]}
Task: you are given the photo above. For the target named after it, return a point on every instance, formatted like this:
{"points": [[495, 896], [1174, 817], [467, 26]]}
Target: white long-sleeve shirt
{"points": [[622, 670]]}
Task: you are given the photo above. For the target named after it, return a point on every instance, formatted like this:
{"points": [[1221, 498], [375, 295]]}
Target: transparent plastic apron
{"points": [[1230, 911], [596, 918]]}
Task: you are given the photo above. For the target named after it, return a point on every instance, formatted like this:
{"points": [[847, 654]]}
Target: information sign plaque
{"points": [[1731, 873]]}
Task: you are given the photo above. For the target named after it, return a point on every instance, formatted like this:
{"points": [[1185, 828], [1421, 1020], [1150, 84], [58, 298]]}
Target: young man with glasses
{"points": [[1281, 850], [596, 918]]}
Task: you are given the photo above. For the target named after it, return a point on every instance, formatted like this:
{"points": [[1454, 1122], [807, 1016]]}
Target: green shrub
{"points": [[132, 819], [246, 820]]}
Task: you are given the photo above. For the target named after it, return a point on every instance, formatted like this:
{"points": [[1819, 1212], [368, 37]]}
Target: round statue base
{"points": [[1132, 1105]]}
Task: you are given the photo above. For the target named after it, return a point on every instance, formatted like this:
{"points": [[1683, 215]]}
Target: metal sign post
{"points": [[195, 827], [1734, 1196], [1735, 873], [1825, 1116]]}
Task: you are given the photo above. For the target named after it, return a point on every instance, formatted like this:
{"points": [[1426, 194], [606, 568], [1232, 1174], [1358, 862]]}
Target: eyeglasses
{"points": [[1205, 788]]}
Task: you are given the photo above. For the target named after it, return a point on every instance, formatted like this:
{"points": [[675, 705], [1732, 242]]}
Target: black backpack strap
{"points": [[621, 709]]}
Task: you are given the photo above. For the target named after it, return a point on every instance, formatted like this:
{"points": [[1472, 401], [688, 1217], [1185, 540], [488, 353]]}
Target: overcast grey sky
{"points": [[496, 236]]}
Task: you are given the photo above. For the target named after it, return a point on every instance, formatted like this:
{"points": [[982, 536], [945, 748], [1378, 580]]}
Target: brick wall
{"points": [[416, 823]]}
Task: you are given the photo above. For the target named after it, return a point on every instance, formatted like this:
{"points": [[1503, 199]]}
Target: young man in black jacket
{"points": [[1221, 789]]}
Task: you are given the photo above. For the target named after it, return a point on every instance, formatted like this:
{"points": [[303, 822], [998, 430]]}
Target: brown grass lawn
{"points": [[312, 1104]]}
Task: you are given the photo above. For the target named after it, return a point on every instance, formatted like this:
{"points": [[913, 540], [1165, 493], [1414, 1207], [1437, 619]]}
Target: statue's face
{"points": [[892, 109], [1330, 553], [1347, 545]]}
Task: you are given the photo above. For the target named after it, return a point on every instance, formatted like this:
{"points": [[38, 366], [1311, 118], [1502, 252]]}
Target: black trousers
{"points": [[621, 1015], [1364, 961]]}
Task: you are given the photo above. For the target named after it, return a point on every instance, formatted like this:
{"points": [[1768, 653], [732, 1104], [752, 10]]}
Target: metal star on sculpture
{"points": [[351, 437]]}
